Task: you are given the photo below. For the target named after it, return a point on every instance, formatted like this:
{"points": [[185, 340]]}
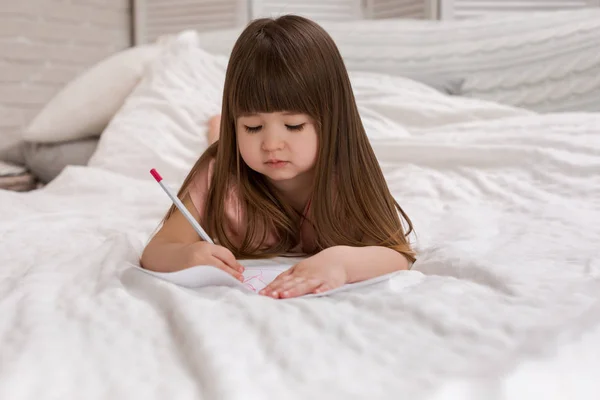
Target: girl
{"points": [[292, 172]]}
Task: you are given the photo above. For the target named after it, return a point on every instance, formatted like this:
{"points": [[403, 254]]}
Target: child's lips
{"points": [[276, 163]]}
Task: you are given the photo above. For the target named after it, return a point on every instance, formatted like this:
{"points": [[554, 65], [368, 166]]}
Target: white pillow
{"points": [[85, 105], [393, 106], [162, 124]]}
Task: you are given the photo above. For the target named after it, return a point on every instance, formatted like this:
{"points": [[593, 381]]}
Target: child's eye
{"points": [[295, 127], [252, 129]]}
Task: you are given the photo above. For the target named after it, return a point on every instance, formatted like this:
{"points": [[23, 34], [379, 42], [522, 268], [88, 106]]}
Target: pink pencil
{"points": [[181, 208]]}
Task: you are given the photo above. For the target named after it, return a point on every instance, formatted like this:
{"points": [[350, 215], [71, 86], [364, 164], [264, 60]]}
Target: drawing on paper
{"points": [[256, 278]]}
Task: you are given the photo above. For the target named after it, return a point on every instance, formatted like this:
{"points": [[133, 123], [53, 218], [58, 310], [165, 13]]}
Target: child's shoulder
{"points": [[198, 190], [202, 177], [202, 180]]}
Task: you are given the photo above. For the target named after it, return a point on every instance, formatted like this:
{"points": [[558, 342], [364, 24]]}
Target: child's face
{"points": [[280, 145]]}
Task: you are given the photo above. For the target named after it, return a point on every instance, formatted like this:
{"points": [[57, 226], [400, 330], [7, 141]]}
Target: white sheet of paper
{"points": [[257, 275], [198, 276]]}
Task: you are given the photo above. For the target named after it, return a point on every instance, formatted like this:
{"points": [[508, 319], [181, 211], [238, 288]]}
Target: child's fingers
{"points": [[299, 288], [293, 281], [227, 257], [324, 287], [272, 289], [221, 265], [275, 288], [275, 285]]}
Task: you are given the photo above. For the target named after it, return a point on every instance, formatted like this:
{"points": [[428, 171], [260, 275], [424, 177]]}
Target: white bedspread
{"points": [[505, 292]]}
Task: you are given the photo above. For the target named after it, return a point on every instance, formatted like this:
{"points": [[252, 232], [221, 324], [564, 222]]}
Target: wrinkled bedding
{"points": [[504, 294]]}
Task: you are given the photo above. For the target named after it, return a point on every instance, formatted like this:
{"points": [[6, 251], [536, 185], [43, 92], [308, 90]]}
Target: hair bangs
{"points": [[267, 83]]}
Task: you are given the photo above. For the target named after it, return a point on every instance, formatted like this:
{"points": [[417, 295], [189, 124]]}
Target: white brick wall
{"points": [[46, 43]]}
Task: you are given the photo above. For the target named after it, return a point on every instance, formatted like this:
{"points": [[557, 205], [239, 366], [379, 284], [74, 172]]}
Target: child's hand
{"points": [[204, 253], [316, 274]]}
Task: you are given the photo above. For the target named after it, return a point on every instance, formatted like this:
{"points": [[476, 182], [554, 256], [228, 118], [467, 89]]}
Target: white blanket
{"points": [[505, 291]]}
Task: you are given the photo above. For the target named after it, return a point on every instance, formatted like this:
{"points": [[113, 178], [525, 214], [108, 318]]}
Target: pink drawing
{"points": [[257, 279]]}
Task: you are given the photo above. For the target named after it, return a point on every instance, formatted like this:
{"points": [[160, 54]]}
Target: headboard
{"points": [[154, 18]]}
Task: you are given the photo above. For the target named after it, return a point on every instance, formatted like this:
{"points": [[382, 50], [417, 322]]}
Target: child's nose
{"points": [[272, 141]]}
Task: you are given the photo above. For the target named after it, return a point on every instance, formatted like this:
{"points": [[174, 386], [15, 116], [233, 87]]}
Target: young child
{"points": [[290, 171]]}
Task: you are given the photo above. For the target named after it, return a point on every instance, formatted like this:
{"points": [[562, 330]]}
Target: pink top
{"points": [[233, 224]]}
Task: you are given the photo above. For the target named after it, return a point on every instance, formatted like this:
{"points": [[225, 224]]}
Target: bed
{"points": [[502, 303]]}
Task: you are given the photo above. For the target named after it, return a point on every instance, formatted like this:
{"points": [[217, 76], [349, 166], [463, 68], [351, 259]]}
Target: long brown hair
{"points": [[292, 64]]}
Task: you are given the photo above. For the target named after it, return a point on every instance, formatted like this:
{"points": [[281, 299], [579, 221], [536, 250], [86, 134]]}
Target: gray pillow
{"points": [[46, 160], [13, 154]]}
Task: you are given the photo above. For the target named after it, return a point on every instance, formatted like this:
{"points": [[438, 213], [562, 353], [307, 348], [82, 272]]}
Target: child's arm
{"points": [[177, 246], [334, 267], [362, 263]]}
